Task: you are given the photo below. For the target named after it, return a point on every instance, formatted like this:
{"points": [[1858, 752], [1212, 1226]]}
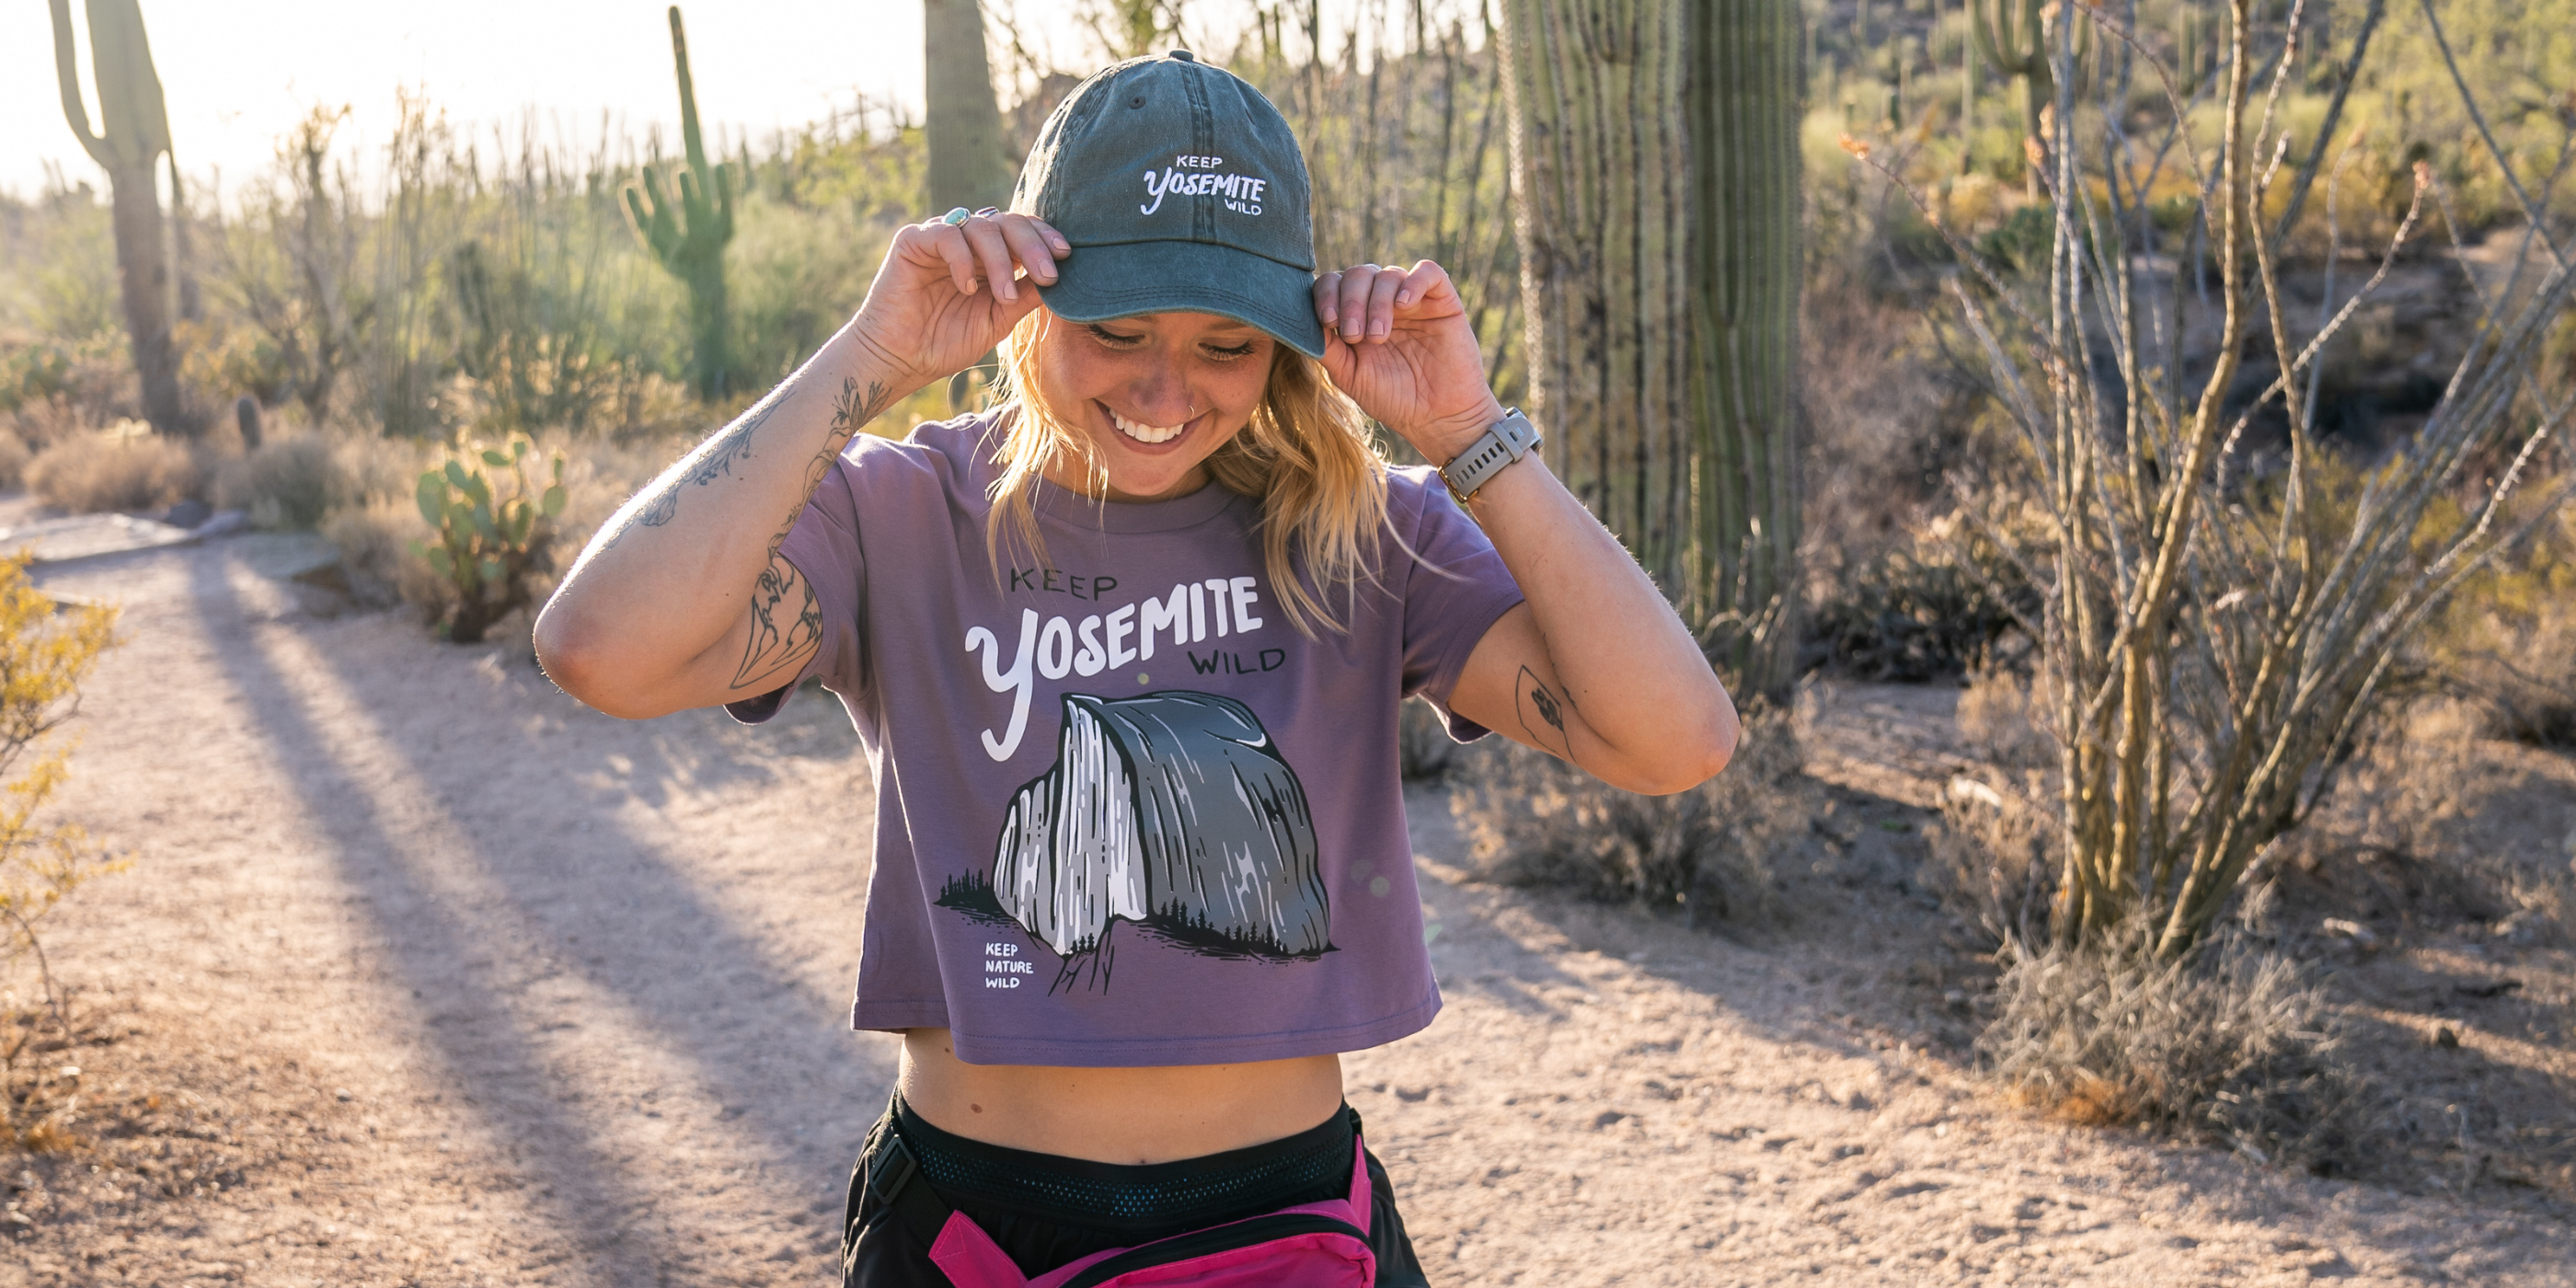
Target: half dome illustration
{"points": [[1172, 809]]}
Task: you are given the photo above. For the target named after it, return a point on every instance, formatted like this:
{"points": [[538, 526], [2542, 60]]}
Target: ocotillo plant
{"points": [[2212, 640], [689, 236], [134, 131], [2013, 36]]}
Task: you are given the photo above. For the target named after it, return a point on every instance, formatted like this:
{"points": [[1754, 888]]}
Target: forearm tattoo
{"points": [[713, 461], [781, 636], [850, 410], [1542, 715]]}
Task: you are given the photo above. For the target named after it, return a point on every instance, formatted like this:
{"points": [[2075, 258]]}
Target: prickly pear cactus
{"points": [[488, 539], [689, 234]]}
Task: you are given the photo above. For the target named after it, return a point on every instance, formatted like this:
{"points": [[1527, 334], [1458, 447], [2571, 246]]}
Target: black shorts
{"points": [[1046, 1210]]}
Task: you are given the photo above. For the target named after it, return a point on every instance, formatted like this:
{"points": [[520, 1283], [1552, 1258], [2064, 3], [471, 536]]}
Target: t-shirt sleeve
{"points": [[824, 547], [1455, 588]]}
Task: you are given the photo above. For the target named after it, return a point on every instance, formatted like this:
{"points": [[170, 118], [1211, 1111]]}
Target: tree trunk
{"points": [[1655, 196], [964, 127]]}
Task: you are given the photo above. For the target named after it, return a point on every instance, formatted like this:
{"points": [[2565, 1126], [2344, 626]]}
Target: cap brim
{"points": [[1098, 283]]}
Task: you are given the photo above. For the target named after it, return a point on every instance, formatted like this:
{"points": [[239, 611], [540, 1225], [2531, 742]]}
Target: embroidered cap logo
{"points": [[1242, 192]]}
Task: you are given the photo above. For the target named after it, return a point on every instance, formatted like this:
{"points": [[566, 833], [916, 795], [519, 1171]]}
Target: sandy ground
{"points": [[424, 974]]}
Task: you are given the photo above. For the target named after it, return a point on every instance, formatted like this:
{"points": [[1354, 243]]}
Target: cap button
{"points": [[1185, 56]]}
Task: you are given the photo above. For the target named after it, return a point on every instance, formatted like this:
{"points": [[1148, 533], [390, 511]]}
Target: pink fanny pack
{"points": [[1311, 1245]]}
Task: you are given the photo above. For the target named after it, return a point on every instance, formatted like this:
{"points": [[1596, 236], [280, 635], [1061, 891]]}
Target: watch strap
{"points": [[1505, 441]]}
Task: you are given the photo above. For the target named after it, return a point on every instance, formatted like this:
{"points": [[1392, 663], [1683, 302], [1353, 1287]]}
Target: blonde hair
{"points": [[1307, 458]]}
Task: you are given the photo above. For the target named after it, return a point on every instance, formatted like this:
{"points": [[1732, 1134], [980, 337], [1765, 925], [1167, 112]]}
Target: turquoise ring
{"points": [[957, 216]]}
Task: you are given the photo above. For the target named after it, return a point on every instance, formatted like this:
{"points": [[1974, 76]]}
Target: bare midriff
{"points": [[1150, 1115]]}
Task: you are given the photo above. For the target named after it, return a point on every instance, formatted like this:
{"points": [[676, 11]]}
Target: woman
{"points": [[1126, 654]]}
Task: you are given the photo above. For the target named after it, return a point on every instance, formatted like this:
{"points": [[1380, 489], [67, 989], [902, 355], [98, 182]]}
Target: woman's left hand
{"points": [[1398, 343]]}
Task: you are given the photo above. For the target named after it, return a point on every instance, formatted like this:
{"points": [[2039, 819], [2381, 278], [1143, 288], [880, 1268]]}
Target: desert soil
{"points": [[425, 974]]}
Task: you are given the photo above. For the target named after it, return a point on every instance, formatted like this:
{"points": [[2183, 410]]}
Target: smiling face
{"points": [[1155, 395]]}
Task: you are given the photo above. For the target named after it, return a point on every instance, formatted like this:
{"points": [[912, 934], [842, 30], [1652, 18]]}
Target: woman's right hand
{"points": [[947, 294]]}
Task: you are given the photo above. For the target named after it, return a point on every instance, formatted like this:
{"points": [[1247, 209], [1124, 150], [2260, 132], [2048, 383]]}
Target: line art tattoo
{"points": [[777, 640], [1532, 697]]}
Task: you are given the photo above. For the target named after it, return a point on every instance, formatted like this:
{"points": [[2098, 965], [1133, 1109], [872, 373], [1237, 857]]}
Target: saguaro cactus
{"points": [[1745, 272], [2013, 36], [1655, 200], [968, 166], [134, 132], [689, 236]]}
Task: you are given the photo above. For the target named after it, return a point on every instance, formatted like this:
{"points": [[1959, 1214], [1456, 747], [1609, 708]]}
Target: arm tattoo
{"points": [[850, 410], [778, 640], [713, 461], [1532, 698]]}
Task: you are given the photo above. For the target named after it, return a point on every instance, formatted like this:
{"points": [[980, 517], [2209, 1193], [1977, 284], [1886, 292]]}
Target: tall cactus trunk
{"points": [[1600, 205], [143, 275], [133, 134], [963, 131], [1655, 199], [1746, 267], [968, 165]]}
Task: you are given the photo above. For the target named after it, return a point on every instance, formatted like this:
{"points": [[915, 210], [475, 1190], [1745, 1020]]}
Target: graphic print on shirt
{"points": [[1173, 810]]}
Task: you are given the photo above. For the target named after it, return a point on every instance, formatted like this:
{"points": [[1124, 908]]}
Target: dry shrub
{"points": [[52, 420], [1713, 851], [287, 483], [2225, 1043], [2005, 721], [13, 460], [1932, 605], [1877, 449], [2437, 826], [2509, 642], [1992, 862], [379, 542], [126, 468]]}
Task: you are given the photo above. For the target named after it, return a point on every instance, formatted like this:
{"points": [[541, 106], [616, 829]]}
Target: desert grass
{"points": [[125, 468], [1721, 854], [2230, 1043]]}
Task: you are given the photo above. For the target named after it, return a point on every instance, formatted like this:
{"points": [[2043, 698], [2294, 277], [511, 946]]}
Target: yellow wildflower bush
{"points": [[44, 655]]}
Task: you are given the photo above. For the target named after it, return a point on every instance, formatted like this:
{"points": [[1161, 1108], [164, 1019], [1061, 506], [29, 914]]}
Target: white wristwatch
{"points": [[1505, 441]]}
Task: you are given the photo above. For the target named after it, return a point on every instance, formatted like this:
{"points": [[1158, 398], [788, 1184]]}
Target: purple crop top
{"points": [[1126, 813]]}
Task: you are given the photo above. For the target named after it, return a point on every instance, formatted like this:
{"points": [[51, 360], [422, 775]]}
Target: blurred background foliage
{"points": [[484, 278]]}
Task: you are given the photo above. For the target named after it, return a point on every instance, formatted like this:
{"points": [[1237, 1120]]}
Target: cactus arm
{"points": [[697, 149], [2007, 33], [67, 71], [147, 119], [1981, 29], [724, 204]]}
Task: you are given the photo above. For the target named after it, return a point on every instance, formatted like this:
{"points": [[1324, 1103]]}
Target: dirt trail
{"points": [[437, 978]]}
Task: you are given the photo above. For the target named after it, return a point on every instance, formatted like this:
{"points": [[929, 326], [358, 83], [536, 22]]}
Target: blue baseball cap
{"points": [[1180, 188]]}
